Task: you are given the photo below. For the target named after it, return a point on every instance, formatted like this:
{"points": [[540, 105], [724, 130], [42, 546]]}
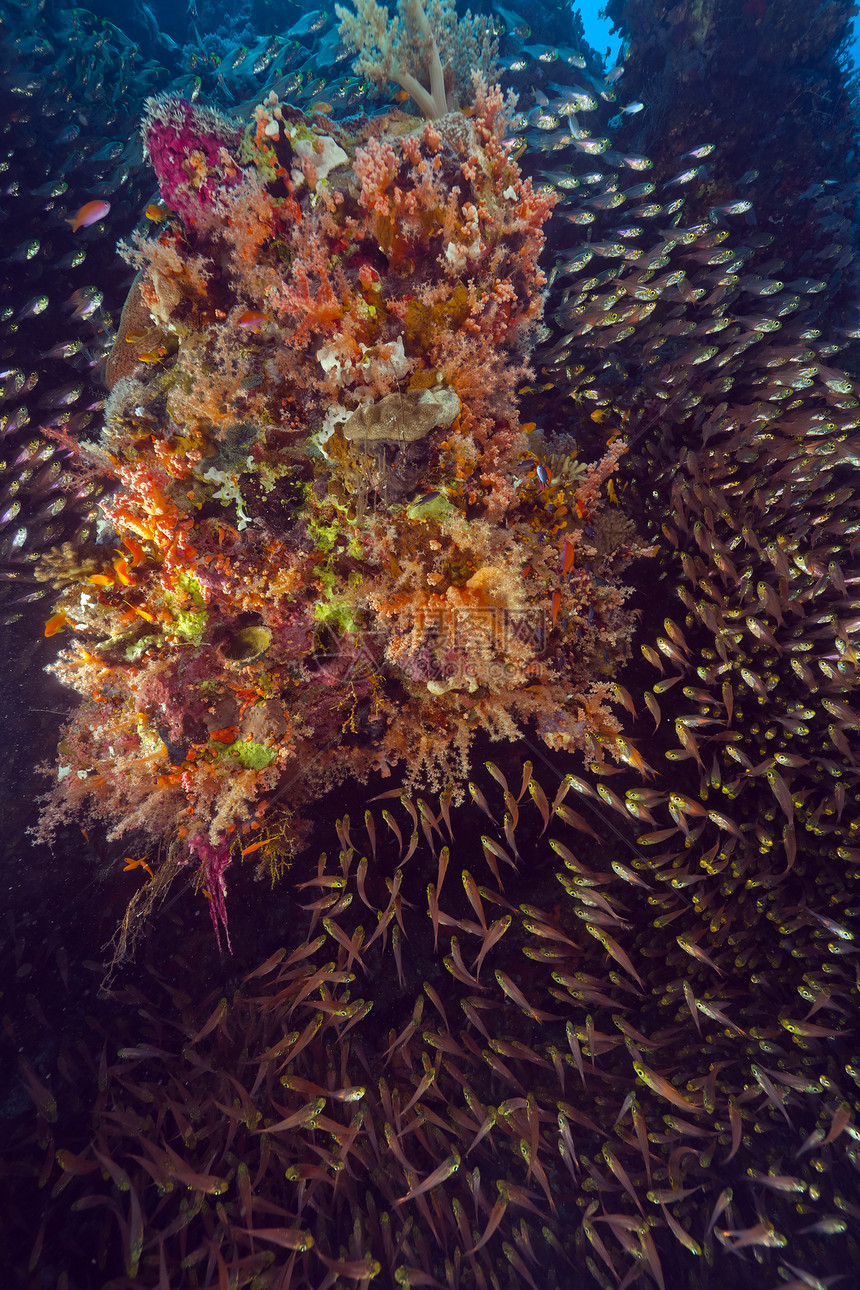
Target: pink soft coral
{"points": [[189, 147]]}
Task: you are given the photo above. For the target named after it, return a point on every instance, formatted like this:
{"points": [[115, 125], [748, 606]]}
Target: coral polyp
{"points": [[330, 546]]}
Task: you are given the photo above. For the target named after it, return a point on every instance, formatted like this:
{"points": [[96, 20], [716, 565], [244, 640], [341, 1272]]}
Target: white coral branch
{"points": [[409, 48]]}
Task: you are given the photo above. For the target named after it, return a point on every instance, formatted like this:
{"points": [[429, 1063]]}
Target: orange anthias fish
{"points": [[90, 213], [131, 863], [55, 623], [251, 319]]}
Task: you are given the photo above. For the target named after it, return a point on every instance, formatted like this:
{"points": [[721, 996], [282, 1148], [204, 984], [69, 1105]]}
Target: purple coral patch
{"points": [[215, 860], [187, 146]]}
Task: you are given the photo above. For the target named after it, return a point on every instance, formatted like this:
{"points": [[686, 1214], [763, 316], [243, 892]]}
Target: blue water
{"points": [[598, 30]]}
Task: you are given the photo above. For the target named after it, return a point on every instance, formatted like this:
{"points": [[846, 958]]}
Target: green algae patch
{"points": [[252, 756], [188, 607]]}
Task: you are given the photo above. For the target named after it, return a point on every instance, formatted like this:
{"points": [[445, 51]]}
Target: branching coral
{"points": [[428, 52], [330, 547]]}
